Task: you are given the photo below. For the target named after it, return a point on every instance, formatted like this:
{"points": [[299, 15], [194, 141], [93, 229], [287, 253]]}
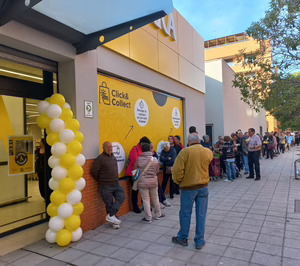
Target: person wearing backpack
{"points": [[134, 154], [147, 182]]}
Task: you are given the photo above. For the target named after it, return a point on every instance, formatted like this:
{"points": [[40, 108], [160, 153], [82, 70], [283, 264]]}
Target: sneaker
{"points": [[159, 217], [227, 180], [233, 180], [199, 246], [182, 242], [249, 177], [147, 221], [162, 206], [166, 203], [113, 219]]}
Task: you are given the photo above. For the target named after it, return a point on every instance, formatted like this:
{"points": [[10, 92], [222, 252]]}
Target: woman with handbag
{"points": [[167, 158], [147, 182]]}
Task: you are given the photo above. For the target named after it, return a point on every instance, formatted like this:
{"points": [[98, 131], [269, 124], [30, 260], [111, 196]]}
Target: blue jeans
{"points": [[246, 163], [231, 171], [188, 197]]}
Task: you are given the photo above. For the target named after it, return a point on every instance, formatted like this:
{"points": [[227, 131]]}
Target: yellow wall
{"points": [[182, 60], [119, 124]]}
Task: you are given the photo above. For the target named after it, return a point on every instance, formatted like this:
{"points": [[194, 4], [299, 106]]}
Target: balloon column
{"points": [[66, 162]]}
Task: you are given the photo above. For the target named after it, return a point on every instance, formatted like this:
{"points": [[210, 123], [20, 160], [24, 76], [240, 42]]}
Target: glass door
{"points": [[23, 197]]}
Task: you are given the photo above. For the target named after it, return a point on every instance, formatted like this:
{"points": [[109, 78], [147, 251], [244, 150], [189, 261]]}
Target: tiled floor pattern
{"points": [[249, 223]]}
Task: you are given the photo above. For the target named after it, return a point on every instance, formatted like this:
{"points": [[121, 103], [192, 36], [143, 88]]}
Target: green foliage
{"points": [[271, 77], [284, 101]]}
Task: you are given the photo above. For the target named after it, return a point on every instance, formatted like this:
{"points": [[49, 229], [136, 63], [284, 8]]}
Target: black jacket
{"points": [[228, 151]]}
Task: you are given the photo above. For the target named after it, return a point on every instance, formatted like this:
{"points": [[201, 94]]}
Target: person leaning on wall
{"points": [[105, 171]]}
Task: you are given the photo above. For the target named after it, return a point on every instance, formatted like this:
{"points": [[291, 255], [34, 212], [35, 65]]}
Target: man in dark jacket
{"points": [[105, 171]]}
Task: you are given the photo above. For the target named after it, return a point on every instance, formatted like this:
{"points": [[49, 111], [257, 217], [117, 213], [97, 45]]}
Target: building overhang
{"points": [[85, 24]]}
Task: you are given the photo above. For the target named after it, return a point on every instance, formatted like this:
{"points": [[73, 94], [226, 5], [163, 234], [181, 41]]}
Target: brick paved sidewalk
{"points": [[249, 223]]}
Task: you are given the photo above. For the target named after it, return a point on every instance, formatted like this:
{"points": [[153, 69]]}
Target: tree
{"points": [[284, 101], [280, 27]]}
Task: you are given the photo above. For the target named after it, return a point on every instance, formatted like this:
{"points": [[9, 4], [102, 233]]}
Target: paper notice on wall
{"points": [[141, 112], [20, 155], [176, 118]]}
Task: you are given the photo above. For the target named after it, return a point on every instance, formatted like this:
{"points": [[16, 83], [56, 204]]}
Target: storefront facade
{"points": [[159, 66]]}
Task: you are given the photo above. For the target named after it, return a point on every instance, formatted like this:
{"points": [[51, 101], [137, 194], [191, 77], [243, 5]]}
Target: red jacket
{"points": [[134, 154]]}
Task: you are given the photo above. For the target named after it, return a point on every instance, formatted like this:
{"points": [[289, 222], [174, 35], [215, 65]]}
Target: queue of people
{"points": [[187, 170]]}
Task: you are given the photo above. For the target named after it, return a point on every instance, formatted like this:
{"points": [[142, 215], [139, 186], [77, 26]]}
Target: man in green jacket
{"points": [[191, 173]]}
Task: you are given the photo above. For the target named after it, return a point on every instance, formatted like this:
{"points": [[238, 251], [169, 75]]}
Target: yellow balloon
{"points": [[67, 160], [52, 210], [74, 147], [58, 99], [79, 136], [66, 114], [75, 172], [78, 208], [63, 237], [48, 99], [72, 223], [52, 138], [43, 121], [72, 124], [57, 197], [66, 185], [48, 130]]}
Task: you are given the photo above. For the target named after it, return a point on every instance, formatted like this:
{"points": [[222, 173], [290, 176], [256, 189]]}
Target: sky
{"points": [[219, 18]]}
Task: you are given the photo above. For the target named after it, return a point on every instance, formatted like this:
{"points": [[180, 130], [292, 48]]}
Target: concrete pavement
{"points": [[248, 223]]}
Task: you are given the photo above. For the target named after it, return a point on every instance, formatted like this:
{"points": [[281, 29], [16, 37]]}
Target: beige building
{"points": [[158, 68], [228, 49], [224, 111]]}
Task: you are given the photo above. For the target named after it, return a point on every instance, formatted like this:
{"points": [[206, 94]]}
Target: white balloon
{"points": [[42, 107], [53, 184], [56, 223], [74, 197], [59, 173], [53, 161], [77, 234], [65, 210], [80, 160], [54, 111], [57, 125], [51, 236], [80, 184], [58, 149], [67, 106], [66, 136]]}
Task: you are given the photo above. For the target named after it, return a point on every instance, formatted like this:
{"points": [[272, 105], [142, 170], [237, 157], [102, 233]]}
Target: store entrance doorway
{"points": [[23, 197]]}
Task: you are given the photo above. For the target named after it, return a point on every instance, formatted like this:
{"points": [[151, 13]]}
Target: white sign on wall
{"points": [[88, 109], [176, 118], [119, 153], [141, 112]]}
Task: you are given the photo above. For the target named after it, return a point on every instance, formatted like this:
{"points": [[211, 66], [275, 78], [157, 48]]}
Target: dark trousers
{"points": [[238, 161], [134, 196], [113, 197], [253, 160], [282, 147], [222, 164], [165, 182], [161, 194], [270, 153], [264, 149]]}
